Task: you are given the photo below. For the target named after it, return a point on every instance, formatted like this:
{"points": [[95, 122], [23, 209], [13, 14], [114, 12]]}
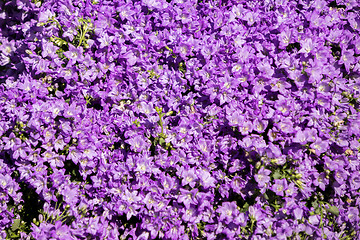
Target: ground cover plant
{"points": [[179, 119]]}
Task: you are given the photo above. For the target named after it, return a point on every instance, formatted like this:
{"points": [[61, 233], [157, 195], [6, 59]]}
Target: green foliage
{"points": [[160, 139], [182, 67], [85, 27], [333, 210]]}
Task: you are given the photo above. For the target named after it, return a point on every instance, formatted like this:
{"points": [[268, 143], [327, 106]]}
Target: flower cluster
{"points": [[179, 119]]}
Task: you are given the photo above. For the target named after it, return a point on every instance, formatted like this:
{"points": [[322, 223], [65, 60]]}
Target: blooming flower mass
{"points": [[180, 119]]}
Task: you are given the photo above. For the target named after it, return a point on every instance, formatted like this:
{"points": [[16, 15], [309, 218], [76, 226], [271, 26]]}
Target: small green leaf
{"points": [[158, 110], [161, 141], [245, 207], [168, 48], [137, 123], [266, 196], [169, 113], [315, 204], [334, 210], [16, 225], [277, 174]]}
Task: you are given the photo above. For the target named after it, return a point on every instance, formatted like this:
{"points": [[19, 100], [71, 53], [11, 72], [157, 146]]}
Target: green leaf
{"points": [[16, 225], [137, 123], [169, 49], [334, 210], [182, 67], [169, 113], [315, 204], [277, 174], [245, 207], [161, 141], [266, 196]]}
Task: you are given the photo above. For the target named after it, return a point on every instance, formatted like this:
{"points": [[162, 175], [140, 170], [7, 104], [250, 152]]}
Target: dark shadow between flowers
{"points": [[72, 169], [32, 205]]}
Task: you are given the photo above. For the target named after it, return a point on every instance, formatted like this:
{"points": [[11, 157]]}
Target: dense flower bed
{"points": [[179, 119]]}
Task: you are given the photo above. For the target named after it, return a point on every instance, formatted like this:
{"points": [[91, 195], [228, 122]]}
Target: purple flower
{"points": [[203, 146], [105, 40], [256, 212], [46, 15], [89, 152], [291, 190], [286, 125], [12, 142], [321, 181], [260, 125], [74, 54], [319, 146], [74, 154], [353, 214], [57, 161], [42, 66], [308, 135], [189, 177], [158, 4], [49, 49], [340, 189], [8, 47], [69, 73], [251, 17], [190, 214], [176, 231], [265, 68], [137, 143], [144, 165], [236, 118], [228, 211], [347, 58], [5, 181], [307, 45], [314, 220], [21, 151], [262, 177], [246, 127], [273, 151], [40, 184], [209, 50], [206, 179], [188, 197], [298, 213], [283, 230], [355, 181], [167, 183], [238, 185], [61, 231], [59, 144], [279, 186], [285, 37], [147, 108]]}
